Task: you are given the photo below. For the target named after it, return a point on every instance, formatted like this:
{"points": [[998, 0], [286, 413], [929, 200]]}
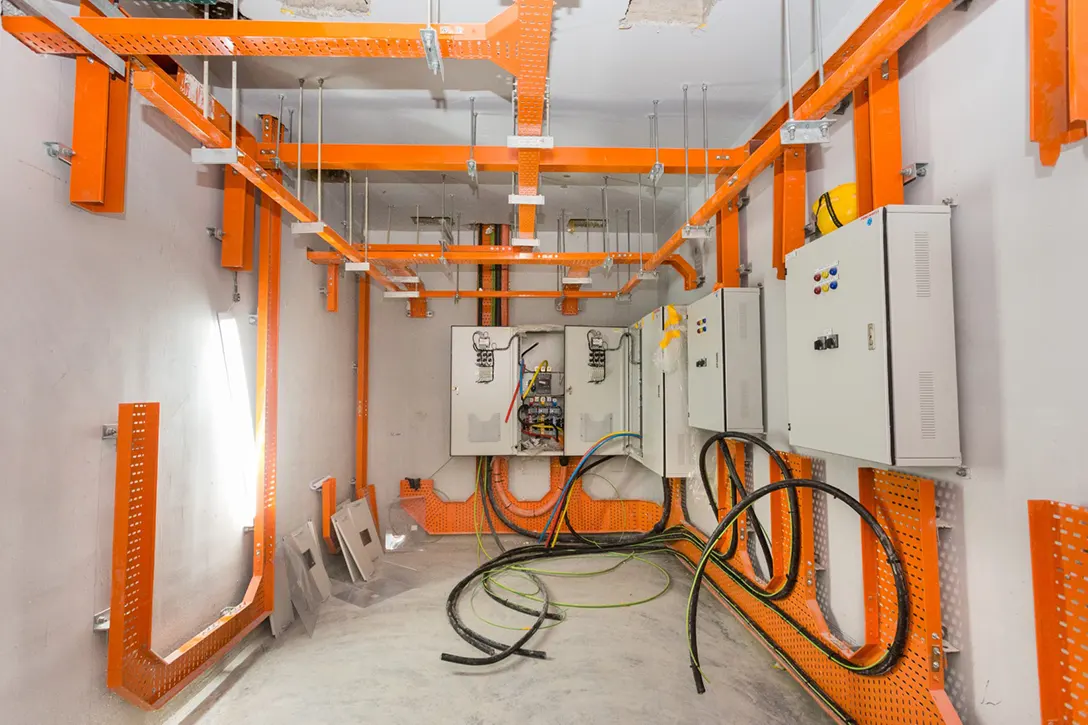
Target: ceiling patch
{"points": [[667, 12], [325, 8]]}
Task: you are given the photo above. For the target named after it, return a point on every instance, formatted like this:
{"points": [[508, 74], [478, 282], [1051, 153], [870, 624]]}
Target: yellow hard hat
{"points": [[836, 208]]}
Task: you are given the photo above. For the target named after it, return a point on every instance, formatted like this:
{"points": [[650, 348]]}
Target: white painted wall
{"points": [[103, 310], [1017, 261]]}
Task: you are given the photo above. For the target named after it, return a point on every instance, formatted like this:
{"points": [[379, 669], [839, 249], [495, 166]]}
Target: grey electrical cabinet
{"points": [[483, 376], [725, 362], [596, 360], [657, 386], [871, 345]]}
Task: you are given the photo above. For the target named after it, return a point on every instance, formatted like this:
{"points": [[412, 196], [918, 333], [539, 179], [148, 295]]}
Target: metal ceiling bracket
{"points": [[530, 199], [431, 51], [215, 157], [656, 172], [522, 242], [472, 173], [59, 151], [623, 298], [530, 142], [914, 172], [644, 275], [57, 15], [690, 232], [308, 228], [607, 265], [102, 621], [401, 294], [578, 281], [357, 266], [404, 280], [806, 132]]}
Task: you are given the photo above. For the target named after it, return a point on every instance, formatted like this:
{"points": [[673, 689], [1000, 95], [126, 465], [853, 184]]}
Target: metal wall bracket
{"points": [[357, 266], [577, 281], [523, 242], [623, 298], [530, 142], [701, 232], [806, 132], [410, 294], [214, 233], [404, 280], [109, 431], [59, 151], [215, 157], [532, 200], [102, 621], [745, 268], [308, 228], [914, 172]]}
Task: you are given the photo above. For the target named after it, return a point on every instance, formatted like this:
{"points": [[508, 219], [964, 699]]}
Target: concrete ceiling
{"points": [[604, 77]]}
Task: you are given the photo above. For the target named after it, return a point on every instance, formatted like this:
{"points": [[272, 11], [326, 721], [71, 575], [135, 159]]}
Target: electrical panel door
{"points": [[679, 461], [596, 396], [725, 362], [652, 393], [871, 342], [484, 375]]}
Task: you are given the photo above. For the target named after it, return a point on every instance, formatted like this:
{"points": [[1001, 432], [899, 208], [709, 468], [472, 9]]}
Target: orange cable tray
{"points": [[1059, 570], [912, 693]]}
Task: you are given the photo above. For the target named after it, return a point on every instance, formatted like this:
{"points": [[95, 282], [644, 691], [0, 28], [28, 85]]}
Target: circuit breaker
{"points": [[871, 357], [483, 374], [597, 361], [725, 362], [657, 394]]}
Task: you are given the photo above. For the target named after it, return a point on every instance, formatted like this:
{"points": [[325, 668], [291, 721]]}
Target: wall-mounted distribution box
{"points": [[657, 398], [871, 354], [725, 362], [483, 374], [597, 361]]}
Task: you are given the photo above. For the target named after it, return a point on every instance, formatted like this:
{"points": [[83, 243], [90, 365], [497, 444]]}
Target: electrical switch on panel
{"points": [[871, 345]]}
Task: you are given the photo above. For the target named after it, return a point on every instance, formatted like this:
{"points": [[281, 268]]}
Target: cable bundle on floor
{"points": [[660, 539]]}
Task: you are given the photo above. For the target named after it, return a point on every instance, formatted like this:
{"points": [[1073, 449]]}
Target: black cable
{"points": [[899, 640], [792, 570]]}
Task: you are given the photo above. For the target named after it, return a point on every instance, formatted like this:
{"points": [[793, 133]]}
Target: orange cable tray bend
{"points": [[596, 516]]}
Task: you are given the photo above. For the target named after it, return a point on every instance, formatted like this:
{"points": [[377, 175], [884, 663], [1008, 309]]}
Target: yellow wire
{"points": [[532, 382]]}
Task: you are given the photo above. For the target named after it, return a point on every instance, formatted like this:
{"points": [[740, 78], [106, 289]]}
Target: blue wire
{"points": [[574, 477]]}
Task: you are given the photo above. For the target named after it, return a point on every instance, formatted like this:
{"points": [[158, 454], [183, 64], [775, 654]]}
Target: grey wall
{"points": [[103, 310], [1017, 257]]}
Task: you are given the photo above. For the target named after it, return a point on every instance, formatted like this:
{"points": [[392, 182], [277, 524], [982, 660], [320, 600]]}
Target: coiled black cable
{"points": [[895, 649], [793, 566]]}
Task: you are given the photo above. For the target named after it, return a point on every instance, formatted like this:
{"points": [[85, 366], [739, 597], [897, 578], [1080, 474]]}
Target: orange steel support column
{"points": [[237, 201], [885, 135], [728, 234], [789, 205], [99, 135], [1048, 39], [332, 287], [1078, 61], [362, 392], [328, 508], [863, 153]]}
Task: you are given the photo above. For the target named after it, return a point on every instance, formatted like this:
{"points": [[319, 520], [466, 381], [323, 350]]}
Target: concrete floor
{"points": [[379, 662]]}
